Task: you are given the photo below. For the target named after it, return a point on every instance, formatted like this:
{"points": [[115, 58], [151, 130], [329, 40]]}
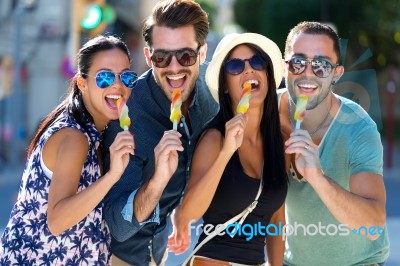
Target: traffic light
{"points": [[97, 15], [88, 19], [93, 17]]}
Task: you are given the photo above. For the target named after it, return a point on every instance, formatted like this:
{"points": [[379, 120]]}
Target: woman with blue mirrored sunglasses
{"points": [[63, 176]]}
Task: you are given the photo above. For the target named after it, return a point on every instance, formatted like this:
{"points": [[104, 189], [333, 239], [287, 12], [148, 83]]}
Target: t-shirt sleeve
{"points": [[366, 154]]}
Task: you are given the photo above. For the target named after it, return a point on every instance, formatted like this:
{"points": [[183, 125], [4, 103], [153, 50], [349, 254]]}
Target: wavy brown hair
{"points": [[174, 14]]}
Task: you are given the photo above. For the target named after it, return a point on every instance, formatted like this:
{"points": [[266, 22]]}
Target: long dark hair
{"points": [[274, 157], [73, 102]]}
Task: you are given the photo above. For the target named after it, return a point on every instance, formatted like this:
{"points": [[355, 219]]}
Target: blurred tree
{"points": [[211, 9], [370, 24]]}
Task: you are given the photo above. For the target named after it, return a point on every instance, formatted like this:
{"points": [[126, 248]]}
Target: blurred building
{"points": [[36, 40]]}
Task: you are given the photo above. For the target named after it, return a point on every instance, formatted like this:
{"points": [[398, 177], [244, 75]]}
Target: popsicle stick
{"points": [[298, 122]]}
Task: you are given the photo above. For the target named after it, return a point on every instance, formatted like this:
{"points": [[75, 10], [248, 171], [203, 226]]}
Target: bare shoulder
{"points": [[69, 136], [211, 138], [65, 143]]}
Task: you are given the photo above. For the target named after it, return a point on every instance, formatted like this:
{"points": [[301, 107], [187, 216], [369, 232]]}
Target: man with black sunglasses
{"points": [[336, 196], [138, 207]]}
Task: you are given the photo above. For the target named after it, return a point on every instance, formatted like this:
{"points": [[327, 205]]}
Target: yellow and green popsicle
{"points": [[176, 104], [300, 109], [123, 113], [244, 101]]}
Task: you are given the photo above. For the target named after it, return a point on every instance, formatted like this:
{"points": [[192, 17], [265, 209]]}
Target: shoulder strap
{"points": [[242, 216]]}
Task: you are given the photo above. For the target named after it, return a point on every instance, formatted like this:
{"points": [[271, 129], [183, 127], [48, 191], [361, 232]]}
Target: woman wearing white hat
{"points": [[238, 176]]}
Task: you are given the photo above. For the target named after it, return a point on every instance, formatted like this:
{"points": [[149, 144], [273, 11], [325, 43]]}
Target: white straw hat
{"points": [[232, 40]]}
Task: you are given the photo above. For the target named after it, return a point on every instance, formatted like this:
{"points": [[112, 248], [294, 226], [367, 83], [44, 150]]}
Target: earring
{"points": [[333, 82]]}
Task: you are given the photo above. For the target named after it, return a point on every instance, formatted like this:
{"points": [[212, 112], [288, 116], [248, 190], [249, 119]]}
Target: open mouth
{"points": [[307, 88], [176, 81], [254, 84], [111, 100]]}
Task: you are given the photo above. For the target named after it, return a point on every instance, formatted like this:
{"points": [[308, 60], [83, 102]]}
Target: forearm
{"points": [[275, 241], [70, 211], [147, 198], [201, 189], [347, 207], [275, 250]]}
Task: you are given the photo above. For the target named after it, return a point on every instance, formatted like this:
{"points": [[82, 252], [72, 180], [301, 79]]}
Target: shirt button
{"points": [[188, 168]]}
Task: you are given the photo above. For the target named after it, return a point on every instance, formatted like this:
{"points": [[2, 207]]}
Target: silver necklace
{"points": [[312, 132]]}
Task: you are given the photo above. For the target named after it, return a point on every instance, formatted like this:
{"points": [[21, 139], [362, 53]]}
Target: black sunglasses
{"points": [[186, 57], [235, 66], [106, 78], [322, 68]]}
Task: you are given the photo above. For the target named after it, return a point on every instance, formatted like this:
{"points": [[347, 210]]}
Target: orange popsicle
{"points": [[176, 104], [244, 101], [123, 113]]}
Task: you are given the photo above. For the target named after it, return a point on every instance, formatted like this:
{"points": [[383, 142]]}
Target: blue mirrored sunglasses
{"points": [[105, 79]]}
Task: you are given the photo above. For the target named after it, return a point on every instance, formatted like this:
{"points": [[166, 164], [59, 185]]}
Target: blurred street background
{"points": [[39, 38]]}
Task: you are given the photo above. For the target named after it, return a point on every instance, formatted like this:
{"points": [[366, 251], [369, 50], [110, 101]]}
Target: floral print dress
{"points": [[27, 239]]}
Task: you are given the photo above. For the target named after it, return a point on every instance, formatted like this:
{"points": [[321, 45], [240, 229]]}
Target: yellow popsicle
{"points": [[300, 109], [123, 113], [244, 101]]}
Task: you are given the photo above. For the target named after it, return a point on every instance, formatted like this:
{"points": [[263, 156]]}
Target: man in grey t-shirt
{"points": [[336, 197]]}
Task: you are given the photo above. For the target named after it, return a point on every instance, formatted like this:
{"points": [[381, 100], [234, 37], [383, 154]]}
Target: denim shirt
{"points": [[149, 110]]}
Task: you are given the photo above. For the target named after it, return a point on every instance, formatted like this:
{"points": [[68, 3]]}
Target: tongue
{"points": [[176, 83], [309, 90], [111, 102]]}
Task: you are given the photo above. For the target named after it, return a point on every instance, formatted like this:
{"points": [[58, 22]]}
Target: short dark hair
{"points": [[174, 14], [316, 28]]}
